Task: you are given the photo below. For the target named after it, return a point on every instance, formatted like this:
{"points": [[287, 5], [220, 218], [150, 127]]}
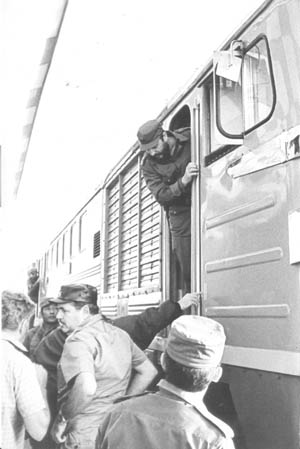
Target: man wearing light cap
{"points": [[168, 172], [99, 364], [175, 417]]}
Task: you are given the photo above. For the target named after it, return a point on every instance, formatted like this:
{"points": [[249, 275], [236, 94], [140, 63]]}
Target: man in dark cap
{"points": [[175, 417], [49, 322], [32, 339], [168, 173], [99, 364]]}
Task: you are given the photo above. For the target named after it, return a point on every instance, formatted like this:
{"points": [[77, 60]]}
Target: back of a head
{"points": [[194, 349], [196, 341], [16, 306]]}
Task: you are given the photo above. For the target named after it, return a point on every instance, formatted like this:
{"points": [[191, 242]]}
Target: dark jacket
{"points": [[163, 176], [35, 335]]}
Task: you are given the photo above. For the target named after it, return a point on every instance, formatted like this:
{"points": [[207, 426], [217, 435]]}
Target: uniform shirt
{"points": [[171, 418], [99, 348], [20, 393]]}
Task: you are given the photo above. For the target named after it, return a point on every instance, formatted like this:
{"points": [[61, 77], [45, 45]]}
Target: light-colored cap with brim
{"points": [[196, 341]]}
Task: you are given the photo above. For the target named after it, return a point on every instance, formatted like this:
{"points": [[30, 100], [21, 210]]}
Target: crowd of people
{"points": [[81, 381]]}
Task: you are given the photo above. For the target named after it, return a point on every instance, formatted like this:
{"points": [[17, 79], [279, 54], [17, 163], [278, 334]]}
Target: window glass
{"points": [[53, 256], [82, 232], [57, 253], [63, 248], [73, 239], [257, 85], [230, 106], [46, 264], [247, 103]]}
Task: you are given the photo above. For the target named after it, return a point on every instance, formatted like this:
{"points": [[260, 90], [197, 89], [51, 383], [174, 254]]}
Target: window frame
{"points": [[82, 232], [260, 37]]}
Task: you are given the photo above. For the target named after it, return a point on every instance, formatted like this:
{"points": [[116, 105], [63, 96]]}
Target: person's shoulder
{"points": [[221, 429], [87, 333], [16, 357]]}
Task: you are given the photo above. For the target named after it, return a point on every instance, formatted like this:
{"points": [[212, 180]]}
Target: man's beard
{"points": [[165, 152]]}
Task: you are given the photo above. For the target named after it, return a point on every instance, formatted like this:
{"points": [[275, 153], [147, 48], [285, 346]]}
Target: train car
{"points": [[74, 254], [244, 113]]}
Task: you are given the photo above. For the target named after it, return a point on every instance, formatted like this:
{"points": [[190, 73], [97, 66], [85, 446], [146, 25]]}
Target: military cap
{"points": [[196, 341], [149, 134], [84, 293], [44, 302]]}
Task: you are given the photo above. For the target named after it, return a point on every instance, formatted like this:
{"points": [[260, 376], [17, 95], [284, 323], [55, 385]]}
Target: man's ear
{"points": [[86, 309], [217, 374]]}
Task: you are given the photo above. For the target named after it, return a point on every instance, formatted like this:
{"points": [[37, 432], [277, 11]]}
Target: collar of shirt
{"points": [[196, 399], [92, 319], [14, 341]]}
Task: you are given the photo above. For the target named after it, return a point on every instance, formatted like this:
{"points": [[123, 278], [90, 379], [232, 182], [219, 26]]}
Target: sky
{"points": [[116, 65]]}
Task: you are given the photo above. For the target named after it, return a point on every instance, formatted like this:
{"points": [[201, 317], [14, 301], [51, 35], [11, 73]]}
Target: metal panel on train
{"points": [[132, 257]]}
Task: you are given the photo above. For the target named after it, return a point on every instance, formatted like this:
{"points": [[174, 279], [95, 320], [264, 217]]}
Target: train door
{"points": [[175, 286], [248, 210]]}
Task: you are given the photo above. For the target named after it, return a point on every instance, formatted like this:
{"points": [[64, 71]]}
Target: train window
{"points": [[63, 248], [73, 239], [82, 232], [46, 264], [52, 256], [247, 102], [182, 119], [57, 252]]}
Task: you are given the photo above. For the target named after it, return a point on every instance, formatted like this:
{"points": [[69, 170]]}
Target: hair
{"points": [[15, 308], [186, 378], [93, 308]]}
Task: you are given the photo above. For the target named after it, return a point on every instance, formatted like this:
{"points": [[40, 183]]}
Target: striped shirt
{"points": [[20, 392]]}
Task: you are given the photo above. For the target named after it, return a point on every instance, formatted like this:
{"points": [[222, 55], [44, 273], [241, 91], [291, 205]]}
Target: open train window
{"points": [[246, 99], [182, 119]]}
